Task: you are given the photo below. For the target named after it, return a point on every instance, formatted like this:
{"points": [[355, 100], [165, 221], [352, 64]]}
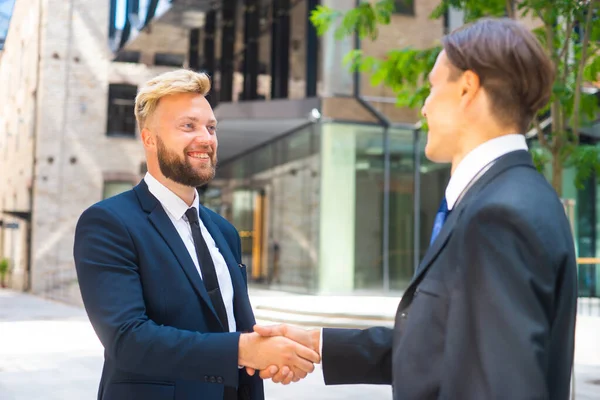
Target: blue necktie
{"points": [[440, 218]]}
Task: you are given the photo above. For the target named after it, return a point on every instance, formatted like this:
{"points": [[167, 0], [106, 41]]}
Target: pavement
{"points": [[49, 351]]}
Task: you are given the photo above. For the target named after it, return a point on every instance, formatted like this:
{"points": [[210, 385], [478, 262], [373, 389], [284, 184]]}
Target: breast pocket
{"points": [[133, 390], [428, 311]]}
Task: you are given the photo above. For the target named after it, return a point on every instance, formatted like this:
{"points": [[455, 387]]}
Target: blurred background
{"points": [[320, 171]]}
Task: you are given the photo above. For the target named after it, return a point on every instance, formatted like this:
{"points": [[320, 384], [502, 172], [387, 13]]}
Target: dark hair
{"points": [[512, 66]]}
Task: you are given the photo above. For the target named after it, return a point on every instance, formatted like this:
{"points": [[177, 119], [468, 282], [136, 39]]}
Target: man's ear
{"points": [[469, 86], [148, 138]]}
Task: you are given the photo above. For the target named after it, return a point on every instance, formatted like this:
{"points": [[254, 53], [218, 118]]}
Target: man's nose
{"points": [[204, 135]]}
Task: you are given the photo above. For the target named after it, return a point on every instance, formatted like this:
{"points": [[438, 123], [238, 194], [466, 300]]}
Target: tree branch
{"points": [[540, 134], [565, 50], [549, 26], [510, 8], [582, 62]]}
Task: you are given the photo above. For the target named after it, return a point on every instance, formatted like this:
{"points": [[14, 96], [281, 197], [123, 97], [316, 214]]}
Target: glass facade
{"points": [[583, 207], [271, 196], [325, 209]]}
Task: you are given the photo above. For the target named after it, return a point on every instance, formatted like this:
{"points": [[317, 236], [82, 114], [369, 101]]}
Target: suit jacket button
{"points": [[213, 379], [403, 315], [219, 380]]}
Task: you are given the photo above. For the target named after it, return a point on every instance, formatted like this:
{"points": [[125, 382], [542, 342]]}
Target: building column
{"points": [[251, 36], [227, 64], [280, 49], [208, 64], [194, 50], [312, 51], [337, 78], [337, 210]]}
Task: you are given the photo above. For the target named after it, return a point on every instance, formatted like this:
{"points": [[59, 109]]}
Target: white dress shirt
{"points": [[175, 208], [478, 159], [470, 166]]}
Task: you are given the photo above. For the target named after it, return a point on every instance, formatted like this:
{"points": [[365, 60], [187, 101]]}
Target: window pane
{"points": [[113, 188], [271, 196], [121, 104]]}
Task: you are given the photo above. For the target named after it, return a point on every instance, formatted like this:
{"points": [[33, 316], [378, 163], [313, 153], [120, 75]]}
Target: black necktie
{"points": [[209, 274]]}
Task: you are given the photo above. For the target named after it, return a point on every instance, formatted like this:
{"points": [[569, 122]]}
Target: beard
{"points": [[181, 170]]}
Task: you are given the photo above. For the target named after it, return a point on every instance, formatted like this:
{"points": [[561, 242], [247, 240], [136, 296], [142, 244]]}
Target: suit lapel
{"points": [[160, 220], [505, 162], [438, 244], [239, 288]]}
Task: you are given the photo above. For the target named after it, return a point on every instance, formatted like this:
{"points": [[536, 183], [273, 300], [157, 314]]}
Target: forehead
{"points": [[179, 104], [441, 68]]}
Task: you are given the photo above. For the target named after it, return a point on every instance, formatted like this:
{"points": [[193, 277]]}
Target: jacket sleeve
{"points": [[500, 315], [111, 288], [352, 356]]}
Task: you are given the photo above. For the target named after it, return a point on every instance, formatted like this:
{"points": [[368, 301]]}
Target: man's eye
{"points": [[188, 126], [212, 128]]}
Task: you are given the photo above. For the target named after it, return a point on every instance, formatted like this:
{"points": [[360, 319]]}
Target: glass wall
{"points": [[585, 203], [353, 207], [430, 182], [314, 208], [271, 196], [351, 213]]}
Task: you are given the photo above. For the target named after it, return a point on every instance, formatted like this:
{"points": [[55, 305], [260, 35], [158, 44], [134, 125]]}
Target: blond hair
{"points": [[172, 82]]}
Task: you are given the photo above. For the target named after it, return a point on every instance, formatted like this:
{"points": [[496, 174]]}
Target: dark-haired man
{"points": [[490, 312]]}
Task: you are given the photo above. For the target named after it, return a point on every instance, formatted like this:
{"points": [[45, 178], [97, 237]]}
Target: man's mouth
{"points": [[198, 154]]}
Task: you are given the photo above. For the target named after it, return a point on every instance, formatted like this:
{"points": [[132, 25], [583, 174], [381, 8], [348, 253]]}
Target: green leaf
{"points": [[591, 72], [541, 157], [404, 70], [586, 159], [322, 17]]}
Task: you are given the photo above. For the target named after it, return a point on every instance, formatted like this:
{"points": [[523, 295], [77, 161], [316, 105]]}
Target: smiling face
{"points": [[181, 138]]}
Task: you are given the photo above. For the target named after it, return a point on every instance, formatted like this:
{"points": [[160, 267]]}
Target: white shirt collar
{"points": [[172, 203], [477, 160]]}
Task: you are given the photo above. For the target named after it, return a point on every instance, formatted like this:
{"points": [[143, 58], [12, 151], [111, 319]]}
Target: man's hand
{"points": [[308, 338], [276, 352]]}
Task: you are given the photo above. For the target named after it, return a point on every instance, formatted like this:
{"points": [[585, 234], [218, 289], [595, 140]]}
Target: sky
{"points": [[6, 7], [120, 14]]}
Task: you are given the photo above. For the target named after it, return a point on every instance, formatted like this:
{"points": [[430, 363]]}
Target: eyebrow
{"points": [[194, 119]]}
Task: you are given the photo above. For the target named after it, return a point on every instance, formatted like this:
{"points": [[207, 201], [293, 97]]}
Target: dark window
{"points": [[406, 7], [128, 56], [121, 103], [169, 60]]}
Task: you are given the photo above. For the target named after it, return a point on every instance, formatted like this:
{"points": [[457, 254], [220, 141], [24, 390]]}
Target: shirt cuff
{"points": [[321, 345]]}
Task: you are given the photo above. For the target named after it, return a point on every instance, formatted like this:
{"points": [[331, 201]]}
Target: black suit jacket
{"points": [[490, 313], [148, 305]]}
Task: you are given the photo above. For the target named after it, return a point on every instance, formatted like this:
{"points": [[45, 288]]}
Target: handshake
{"points": [[282, 353]]}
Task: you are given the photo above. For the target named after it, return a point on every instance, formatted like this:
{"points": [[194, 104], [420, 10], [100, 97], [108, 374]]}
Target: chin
{"points": [[430, 152]]}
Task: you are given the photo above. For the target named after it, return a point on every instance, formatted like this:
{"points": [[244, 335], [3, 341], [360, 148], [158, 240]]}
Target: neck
{"points": [[469, 141], [185, 193]]}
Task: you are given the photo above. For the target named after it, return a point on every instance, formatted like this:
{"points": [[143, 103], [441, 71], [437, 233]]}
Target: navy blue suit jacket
{"points": [[149, 308]]}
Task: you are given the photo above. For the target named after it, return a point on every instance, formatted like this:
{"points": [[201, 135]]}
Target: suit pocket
{"points": [[136, 390], [429, 307], [433, 288]]}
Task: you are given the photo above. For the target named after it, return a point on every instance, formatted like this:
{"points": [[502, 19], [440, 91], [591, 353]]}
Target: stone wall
{"points": [[73, 155], [18, 83]]}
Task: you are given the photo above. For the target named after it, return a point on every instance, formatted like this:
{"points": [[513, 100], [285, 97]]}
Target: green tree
{"points": [[569, 31]]}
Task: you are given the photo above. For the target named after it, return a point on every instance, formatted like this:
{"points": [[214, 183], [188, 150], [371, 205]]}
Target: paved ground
{"points": [[48, 351]]}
